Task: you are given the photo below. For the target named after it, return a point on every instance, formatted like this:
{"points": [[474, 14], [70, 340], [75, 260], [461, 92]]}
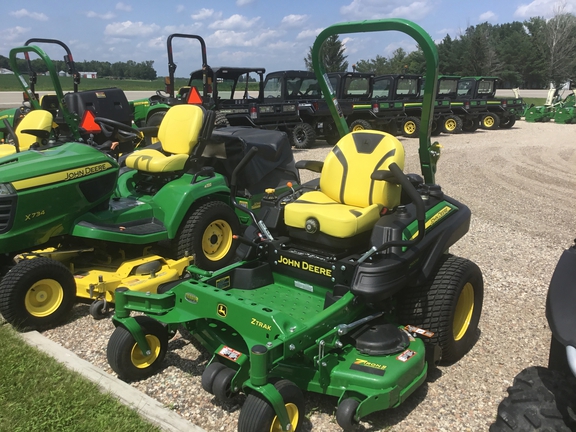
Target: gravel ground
{"points": [[518, 184]]}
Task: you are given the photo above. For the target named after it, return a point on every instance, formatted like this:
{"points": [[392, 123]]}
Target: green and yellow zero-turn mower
{"points": [[344, 288], [73, 223]]}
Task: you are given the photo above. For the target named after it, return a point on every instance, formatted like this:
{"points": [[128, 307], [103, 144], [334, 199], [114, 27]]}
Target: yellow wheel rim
{"points": [[450, 125], [293, 416], [410, 127], [357, 128], [464, 310], [217, 240], [44, 298], [142, 361], [489, 121]]}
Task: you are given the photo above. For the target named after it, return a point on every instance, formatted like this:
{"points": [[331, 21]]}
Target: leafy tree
{"points": [[331, 55]]}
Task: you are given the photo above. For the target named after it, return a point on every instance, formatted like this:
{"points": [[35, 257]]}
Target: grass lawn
{"points": [[39, 394]]}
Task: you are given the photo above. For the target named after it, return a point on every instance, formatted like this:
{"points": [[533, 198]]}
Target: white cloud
{"points": [[294, 20], [23, 13], [243, 2], [235, 22], [377, 9], [106, 16], [128, 29], [180, 8], [544, 8], [488, 16], [14, 33], [308, 34], [123, 7], [204, 13]]}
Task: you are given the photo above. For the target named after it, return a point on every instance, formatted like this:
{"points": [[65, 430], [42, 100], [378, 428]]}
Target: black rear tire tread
{"points": [[539, 399], [432, 305], [303, 136], [16, 283]]}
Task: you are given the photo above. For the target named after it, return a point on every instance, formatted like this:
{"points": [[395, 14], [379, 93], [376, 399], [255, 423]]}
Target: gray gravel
{"points": [[519, 185]]}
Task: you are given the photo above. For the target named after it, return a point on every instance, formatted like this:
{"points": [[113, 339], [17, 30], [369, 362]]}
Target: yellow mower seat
{"points": [[349, 202], [35, 126], [178, 134]]}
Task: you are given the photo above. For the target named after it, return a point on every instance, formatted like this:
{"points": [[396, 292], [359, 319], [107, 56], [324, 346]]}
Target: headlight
{"points": [[6, 189], [266, 109], [289, 108]]}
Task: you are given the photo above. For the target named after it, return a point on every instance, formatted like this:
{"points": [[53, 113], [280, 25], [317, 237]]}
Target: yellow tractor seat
{"points": [[33, 128], [349, 202], [179, 134]]}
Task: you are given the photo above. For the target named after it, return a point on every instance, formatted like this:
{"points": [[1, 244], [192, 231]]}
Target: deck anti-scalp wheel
{"points": [[257, 415], [345, 414], [99, 309], [128, 360], [37, 293], [449, 305], [207, 233]]}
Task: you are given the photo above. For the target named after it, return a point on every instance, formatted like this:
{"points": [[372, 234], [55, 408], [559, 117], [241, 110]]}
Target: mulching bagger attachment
{"points": [[344, 287]]}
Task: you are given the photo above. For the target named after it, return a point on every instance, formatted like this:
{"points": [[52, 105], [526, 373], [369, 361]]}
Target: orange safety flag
{"points": [[194, 97], [88, 123]]}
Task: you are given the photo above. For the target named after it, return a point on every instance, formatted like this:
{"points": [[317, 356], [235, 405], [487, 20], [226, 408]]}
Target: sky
{"points": [[274, 34]]}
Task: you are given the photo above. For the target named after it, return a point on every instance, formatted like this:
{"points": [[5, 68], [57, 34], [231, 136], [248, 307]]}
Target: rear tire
{"points": [[207, 233], [490, 121], [411, 127], [360, 125], [452, 124], [539, 399], [449, 304], [37, 293], [303, 136], [508, 122]]}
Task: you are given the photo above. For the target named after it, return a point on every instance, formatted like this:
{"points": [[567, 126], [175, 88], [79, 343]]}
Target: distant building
{"points": [[89, 75]]}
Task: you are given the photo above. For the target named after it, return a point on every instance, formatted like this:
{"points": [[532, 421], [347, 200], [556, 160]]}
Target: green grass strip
{"points": [[39, 394]]}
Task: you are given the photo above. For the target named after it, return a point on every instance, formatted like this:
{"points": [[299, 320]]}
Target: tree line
{"points": [[529, 54], [121, 70]]}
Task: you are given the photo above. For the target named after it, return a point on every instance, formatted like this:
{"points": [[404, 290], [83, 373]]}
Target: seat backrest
{"points": [[180, 129], [345, 176], [34, 120], [49, 102]]}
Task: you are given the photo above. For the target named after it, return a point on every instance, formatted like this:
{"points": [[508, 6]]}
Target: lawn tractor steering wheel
{"points": [[126, 136]]}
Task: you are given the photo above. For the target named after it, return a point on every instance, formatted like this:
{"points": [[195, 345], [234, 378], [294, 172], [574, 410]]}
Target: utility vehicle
{"points": [[73, 223], [545, 398], [344, 288], [315, 118]]}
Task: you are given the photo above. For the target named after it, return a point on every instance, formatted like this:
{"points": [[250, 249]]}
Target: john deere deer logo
{"points": [[222, 310]]}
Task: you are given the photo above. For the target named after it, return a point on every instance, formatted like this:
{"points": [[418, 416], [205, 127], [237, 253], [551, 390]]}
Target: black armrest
{"points": [[315, 166]]}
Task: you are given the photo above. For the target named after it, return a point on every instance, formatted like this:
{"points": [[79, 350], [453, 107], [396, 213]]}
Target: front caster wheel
{"points": [[128, 360], [345, 414], [209, 374], [257, 414], [37, 293], [222, 385]]}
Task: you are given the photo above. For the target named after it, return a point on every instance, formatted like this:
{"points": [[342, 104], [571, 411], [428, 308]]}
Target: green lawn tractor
{"points": [[73, 113], [75, 224], [345, 286], [544, 113]]}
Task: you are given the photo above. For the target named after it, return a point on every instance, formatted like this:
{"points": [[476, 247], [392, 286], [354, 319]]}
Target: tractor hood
{"points": [[29, 169]]}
